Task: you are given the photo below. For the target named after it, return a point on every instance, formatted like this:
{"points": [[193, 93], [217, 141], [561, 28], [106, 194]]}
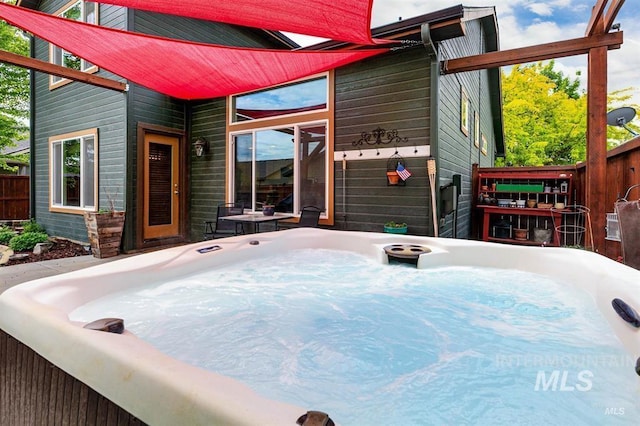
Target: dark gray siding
{"points": [[73, 107], [456, 151], [151, 108], [393, 92], [208, 172], [78, 106]]}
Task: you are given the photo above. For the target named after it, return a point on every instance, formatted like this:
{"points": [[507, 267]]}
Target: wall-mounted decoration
{"points": [[380, 136], [476, 129], [397, 173], [464, 111], [484, 144]]}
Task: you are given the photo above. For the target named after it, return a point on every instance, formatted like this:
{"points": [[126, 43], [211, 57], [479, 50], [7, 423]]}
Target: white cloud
{"points": [[541, 9]]}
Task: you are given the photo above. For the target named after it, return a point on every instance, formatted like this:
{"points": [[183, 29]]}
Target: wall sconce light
{"points": [[201, 146]]}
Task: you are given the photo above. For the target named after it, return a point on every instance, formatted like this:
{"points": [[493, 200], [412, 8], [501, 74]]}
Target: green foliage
{"points": [[32, 226], [6, 234], [27, 241], [14, 90], [392, 224], [544, 116], [562, 83]]}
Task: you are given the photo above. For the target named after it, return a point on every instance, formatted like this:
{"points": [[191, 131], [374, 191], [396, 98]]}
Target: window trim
{"points": [[298, 119], [59, 139], [53, 83]]}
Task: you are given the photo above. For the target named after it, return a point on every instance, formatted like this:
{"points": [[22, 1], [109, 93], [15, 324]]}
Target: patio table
{"points": [[257, 218]]}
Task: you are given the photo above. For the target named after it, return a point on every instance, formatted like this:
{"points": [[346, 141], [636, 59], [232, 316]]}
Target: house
{"points": [[11, 155], [326, 140]]}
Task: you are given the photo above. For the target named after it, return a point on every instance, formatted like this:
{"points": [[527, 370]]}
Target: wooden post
{"points": [[596, 171]]}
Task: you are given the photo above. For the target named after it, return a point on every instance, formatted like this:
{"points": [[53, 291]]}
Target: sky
{"points": [[528, 22]]}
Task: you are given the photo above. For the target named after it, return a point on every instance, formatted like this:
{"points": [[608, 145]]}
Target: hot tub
{"points": [[159, 389]]}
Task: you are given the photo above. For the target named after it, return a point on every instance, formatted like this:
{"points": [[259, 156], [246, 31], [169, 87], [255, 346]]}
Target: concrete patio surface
{"points": [[17, 274]]}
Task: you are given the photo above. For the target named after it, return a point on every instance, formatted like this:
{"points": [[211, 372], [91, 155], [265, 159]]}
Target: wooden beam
{"points": [[611, 15], [596, 170], [578, 46], [595, 23], [48, 68]]}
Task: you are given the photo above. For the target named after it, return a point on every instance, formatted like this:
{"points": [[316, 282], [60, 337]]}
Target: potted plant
{"points": [[104, 228], [392, 227], [393, 177], [268, 208]]}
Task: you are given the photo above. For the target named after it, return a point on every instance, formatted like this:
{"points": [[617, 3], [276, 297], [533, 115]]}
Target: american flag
{"points": [[402, 172]]}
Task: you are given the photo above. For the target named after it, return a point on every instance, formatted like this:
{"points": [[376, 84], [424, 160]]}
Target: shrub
{"points": [[27, 240], [6, 234], [32, 226]]}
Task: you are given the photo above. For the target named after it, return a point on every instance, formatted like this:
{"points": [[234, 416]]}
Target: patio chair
{"points": [[222, 228], [309, 218]]}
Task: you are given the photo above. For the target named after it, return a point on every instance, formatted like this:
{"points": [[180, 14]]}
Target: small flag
{"points": [[402, 172]]}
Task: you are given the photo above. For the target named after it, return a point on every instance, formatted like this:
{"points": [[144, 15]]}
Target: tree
{"points": [[544, 116], [14, 90], [562, 83]]}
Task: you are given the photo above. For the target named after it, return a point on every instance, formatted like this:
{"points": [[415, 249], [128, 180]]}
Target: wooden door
{"points": [[161, 186]]}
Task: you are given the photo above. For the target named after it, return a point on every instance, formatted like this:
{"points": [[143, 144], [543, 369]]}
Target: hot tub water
{"points": [[390, 344]]}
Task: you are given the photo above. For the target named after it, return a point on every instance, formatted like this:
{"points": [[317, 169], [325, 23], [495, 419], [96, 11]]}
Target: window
{"points": [[464, 111], [73, 171], [78, 11], [280, 147], [285, 166], [310, 95]]}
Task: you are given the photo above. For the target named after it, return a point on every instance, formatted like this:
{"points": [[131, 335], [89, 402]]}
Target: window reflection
{"points": [[313, 165], [310, 95], [267, 168]]}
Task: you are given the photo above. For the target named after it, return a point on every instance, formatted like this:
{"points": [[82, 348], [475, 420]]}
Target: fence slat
{"points": [[14, 197]]}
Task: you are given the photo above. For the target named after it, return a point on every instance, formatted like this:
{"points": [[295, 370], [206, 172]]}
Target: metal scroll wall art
{"points": [[380, 136]]}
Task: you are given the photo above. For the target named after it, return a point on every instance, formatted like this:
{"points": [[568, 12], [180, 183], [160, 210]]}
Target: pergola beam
{"points": [[541, 52], [611, 14], [57, 70], [596, 18]]}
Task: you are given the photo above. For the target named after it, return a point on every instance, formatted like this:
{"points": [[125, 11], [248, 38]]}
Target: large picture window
{"points": [[280, 147], [78, 11], [285, 166], [73, 171]]}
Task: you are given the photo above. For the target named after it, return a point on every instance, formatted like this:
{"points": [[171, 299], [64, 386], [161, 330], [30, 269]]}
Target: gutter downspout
{"points": [[32, 136], [432, 170]]}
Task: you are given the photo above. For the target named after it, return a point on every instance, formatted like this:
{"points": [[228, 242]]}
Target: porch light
{"points": [[201, 146]]}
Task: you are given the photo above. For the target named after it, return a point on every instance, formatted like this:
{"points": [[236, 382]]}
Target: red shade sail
{"points": [[333, 19], [181, 69]]}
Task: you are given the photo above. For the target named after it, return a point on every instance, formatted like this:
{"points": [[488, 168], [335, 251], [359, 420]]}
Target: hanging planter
{"points": [[393, 178]]}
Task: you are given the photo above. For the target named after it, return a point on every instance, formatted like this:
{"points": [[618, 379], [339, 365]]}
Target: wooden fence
{"points": [[623, 171], [14, 197]]}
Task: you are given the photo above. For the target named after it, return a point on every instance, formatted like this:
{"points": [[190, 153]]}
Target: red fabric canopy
{"points": [[181, 69], [333, 19]]}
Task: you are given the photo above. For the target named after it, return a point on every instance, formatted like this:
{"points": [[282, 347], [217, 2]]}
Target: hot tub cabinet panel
{"points": [[161, 390], [35, 392]]}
